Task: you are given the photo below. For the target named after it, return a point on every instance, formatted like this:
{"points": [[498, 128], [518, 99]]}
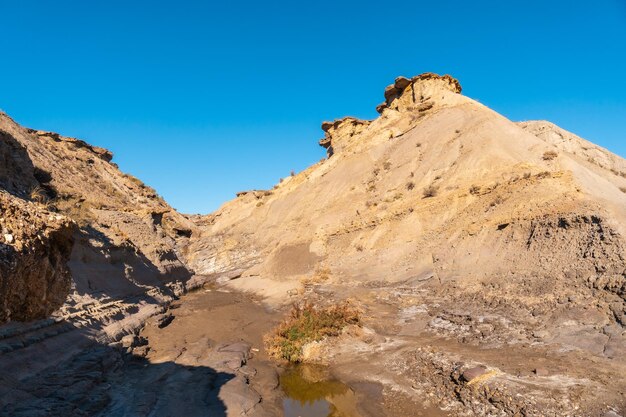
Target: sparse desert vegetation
{"points": [[549, 155], [474, 189], [38, 195], [308, 323], [430, 191]]}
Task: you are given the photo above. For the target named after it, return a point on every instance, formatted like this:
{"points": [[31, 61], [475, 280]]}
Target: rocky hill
{"points": [[128, 237], [443, 218], [87, 248], [486, 259]]}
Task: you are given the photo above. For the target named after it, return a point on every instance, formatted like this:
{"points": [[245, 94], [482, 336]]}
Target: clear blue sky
{"points": [[201, 99]]}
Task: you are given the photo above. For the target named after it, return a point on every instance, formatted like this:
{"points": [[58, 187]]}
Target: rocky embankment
{"points": [[87, 255], [35, 246]]}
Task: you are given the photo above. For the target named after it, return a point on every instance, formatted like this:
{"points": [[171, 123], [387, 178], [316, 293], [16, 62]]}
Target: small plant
{"points": [[527, 175], [376, 171], [410, 185], [474, 190], [457, 131], [321, 275], [549, 155], [497, 201], [38, 195], [430, 191], [386, 165], [292, 173], [418, 144], [306, 324]]}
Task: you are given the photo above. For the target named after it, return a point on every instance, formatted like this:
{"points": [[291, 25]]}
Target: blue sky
{"points": [[201, 99]]}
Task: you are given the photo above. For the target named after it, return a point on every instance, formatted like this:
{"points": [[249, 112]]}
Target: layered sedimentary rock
{"points": [[35, 246], [128, 240]]}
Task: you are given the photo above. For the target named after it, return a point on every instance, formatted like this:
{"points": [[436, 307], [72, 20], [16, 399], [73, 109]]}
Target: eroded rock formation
{"points": [[35, 246]]}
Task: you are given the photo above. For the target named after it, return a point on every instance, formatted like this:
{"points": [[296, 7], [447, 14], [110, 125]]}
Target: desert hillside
{"points": [[438, 186], [127, 235], [482, 262], [461, 224]]}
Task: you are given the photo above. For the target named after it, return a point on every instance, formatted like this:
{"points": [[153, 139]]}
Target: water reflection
{"points": [[311, 392]]}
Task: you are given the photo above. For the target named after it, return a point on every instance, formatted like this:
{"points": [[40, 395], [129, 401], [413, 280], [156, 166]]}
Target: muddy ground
{"points": [[414, 354]]}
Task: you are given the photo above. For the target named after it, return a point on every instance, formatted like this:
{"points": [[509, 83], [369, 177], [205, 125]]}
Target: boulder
{"points": [[473, 373]]}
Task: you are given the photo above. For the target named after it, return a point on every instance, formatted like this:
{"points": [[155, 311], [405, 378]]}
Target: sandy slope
{"points": [[458, 223]]}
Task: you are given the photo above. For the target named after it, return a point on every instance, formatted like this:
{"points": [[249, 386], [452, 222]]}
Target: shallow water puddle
{"points": [[311, 392]]}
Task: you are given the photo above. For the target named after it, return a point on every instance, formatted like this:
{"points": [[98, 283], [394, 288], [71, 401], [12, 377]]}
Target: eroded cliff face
{"points": [[129, 240], [35, 246]]}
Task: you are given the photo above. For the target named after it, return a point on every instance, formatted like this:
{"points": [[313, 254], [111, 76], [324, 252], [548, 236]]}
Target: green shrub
{"points": [[306, 324]]}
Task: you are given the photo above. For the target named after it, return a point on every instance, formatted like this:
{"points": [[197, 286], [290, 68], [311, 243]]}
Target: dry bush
{"points": [[39, 195], [306, 324], [430, 191], [386, 165], [474, 189], [410, 185], [549, 155]]}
